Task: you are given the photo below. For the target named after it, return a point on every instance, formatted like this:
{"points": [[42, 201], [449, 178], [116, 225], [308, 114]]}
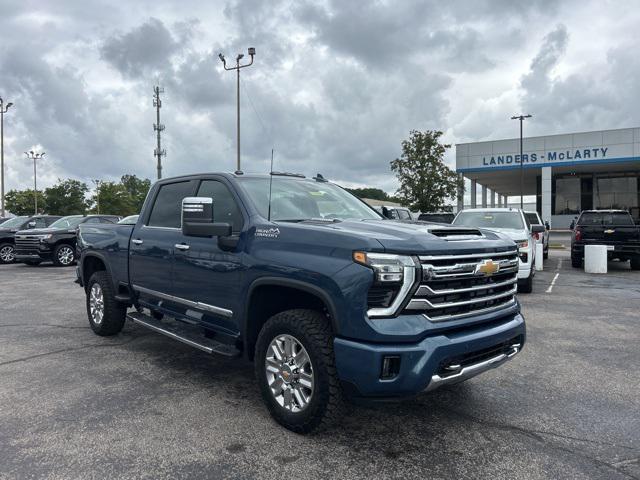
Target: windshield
{"points": [[533, 218], [297, 199], [604, 218], [14, 222], [67, 222], [511, 220]]}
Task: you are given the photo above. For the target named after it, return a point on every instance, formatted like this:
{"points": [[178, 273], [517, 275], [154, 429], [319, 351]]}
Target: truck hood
{"points": [[40, 231], [7, 231], [412, 237], [513, 234]]}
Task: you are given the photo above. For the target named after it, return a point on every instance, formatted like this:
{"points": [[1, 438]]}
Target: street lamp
{"points": [[3, 109], [251, 51], [35, 156], [521, 118]]}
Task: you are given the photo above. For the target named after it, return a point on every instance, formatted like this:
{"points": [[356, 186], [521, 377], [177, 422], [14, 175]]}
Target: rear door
{"points": [[206, 274], [153, 243]]}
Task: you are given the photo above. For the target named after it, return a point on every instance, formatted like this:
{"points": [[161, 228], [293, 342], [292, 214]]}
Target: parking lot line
{"points": [[553, 282]]}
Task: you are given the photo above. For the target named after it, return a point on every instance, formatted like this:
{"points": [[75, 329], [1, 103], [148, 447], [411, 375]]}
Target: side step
{"points": [[185, 333]]}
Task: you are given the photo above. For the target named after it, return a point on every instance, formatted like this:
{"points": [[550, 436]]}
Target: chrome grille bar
{"points": [[422, 303], [441, 318], [424, 290], [426, 258]]}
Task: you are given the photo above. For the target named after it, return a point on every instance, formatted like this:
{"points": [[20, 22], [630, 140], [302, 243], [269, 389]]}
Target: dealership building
{"points": [[566, 173]]}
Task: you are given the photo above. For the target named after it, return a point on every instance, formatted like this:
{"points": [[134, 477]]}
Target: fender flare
{"points": [[103, 259], [290, 283]]}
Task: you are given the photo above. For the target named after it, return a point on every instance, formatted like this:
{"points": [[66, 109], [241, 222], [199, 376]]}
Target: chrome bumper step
{"points": [[472, 370], [185, 333]]}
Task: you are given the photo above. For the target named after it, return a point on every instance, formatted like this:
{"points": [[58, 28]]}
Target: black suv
{"points": [[56, 243], [9, 228]]}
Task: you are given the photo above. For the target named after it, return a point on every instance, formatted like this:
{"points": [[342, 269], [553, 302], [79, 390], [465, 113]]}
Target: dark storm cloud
{"points": [[149, 46], [335, 87]]}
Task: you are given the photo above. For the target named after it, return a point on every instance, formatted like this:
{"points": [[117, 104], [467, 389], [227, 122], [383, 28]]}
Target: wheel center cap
{"points": [[286, 373]]}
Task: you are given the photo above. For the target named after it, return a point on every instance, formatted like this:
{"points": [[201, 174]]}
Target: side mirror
{"points": [[31, 224], [537, 228], [198, 221], [547, 226]]}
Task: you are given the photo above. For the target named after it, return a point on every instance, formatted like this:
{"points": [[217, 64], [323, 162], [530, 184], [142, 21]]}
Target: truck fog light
{"points": [[390, 367]]}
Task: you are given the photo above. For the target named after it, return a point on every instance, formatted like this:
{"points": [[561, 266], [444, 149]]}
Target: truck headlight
{"points": [[522, 244], [45, 237], [394, 275]]}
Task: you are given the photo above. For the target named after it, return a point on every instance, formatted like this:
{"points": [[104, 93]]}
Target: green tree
{"points": [[137, 189], [372, 193], [112, 198], [67, 197], [21, 202], [425, 181]]}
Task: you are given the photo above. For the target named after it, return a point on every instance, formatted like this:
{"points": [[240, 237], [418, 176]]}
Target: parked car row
{"points": [[41, 238]]}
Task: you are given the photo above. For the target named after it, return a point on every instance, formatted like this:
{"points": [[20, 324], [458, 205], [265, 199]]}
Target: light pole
{"points": [[97, 184], [3, 109], [252, 52], [521, 118], [35, 156]]}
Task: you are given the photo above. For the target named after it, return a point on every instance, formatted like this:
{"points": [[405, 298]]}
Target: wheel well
{"points": [[267, 300], [91, 265]]}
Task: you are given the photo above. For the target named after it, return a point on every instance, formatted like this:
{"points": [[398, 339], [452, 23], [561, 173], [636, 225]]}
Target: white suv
{"points": [[513, 223]]}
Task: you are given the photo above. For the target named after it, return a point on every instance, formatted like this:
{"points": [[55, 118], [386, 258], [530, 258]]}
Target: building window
{"points": [[617, 193], [567, 196]]}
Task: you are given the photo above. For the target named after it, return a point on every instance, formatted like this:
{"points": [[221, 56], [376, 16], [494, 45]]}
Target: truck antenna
{"points": [[270, 185]]}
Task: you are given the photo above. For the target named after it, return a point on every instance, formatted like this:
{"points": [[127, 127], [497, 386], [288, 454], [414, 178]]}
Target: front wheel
{"points": [[106, 315], [7, 253], [64, 255], [296, 372]]}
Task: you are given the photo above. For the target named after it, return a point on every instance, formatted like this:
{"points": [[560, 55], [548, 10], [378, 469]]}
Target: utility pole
{"points": [[97, 184], [521, 118], [158, 127], [3, 110], [251, 51], [35, 156]]}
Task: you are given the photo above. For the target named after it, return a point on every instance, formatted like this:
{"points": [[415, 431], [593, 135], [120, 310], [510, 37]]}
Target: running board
{"points": [[184, 333]]}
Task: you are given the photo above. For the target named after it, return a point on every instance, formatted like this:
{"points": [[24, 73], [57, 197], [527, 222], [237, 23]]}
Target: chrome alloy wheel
{"points": [[96, 304], [65, 256], [289, 373], [7, 254]]}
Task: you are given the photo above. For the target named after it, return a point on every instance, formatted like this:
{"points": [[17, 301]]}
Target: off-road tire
{"points": [[526, 286], [313, 330], [576, 262], [13, 250], [56, 251], [114, 312], [635, 262]]}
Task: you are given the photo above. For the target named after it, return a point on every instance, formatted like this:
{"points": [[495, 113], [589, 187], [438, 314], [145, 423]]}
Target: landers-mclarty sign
{"points": [[552, 156]]}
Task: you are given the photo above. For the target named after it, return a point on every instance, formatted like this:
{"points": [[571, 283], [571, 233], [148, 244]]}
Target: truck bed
{"points": [[111, 243]]}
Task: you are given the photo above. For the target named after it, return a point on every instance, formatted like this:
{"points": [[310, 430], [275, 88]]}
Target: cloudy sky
{"points": [[335, 87]]}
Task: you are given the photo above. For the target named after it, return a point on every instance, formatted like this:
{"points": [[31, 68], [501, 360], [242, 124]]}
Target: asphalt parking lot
{"points": [[139, 405]]}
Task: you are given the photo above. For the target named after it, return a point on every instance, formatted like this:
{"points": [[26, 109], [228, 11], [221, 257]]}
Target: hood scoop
{"points": [[457, 234]]}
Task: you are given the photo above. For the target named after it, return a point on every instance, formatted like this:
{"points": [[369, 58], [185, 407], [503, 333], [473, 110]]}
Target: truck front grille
{"points": [[27, 242], [458, 286]]}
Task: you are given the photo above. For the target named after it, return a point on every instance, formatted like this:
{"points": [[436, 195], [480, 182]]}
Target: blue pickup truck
{"points": [[327, 298]]}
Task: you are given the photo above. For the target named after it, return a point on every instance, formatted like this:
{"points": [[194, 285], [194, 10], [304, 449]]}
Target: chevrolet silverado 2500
{"points": [[327, 298]]}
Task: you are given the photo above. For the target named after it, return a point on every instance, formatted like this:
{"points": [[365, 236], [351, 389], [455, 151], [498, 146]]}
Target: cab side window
{"points": [[41, 222], [166, 210], [225, 208], [92, 220]]}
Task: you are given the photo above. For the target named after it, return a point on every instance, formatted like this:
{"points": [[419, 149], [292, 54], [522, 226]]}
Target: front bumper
{"points": [[435, 361], [25, 255]]}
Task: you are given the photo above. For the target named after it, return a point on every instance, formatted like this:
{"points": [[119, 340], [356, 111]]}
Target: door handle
{"points": [[137, 241], [181, 246]]}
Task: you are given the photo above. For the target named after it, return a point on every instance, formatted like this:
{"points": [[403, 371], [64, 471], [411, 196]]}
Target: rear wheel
{"points": [[7, 253], [635, 262], [106, 315], [64, 255], [296, 372]]}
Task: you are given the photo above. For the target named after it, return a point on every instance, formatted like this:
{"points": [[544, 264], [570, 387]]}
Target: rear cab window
{"points": [[606, 218], [167, 206]]}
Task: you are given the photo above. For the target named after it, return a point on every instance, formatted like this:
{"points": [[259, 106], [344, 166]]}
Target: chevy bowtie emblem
{"points": [[609, 231], [487, 268]]}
